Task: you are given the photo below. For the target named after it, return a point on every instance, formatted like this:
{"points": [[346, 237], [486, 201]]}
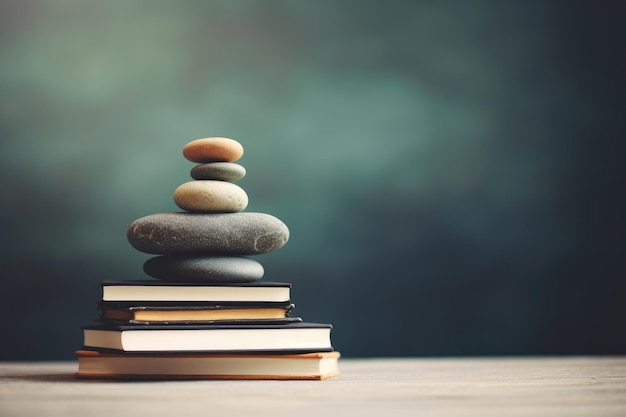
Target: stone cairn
{"points": [[210, 241]]}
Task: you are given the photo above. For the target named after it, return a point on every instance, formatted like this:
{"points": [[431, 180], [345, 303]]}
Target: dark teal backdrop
{"points": [[451, 171]]}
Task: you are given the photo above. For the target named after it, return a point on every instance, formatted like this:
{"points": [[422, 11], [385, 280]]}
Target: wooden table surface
{"points": [[546, 386]]}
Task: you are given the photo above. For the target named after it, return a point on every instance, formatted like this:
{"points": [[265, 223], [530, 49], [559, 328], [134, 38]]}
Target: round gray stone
{"points": [[181, 268], [245, 233], [223, 171]]}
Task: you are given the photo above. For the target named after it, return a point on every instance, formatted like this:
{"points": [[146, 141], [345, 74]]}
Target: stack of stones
{"points": [[211, 240]]}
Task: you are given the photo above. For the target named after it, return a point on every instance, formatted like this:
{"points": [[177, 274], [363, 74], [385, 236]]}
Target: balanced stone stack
{"points": [[210, 241], [206, 315]]}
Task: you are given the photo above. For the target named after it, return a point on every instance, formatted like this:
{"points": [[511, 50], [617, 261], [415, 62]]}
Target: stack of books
{"points": [[158, 329], [208, 315]]}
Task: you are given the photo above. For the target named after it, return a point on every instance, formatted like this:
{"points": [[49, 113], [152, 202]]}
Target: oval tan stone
{"points": [[213, 150], [210, 196]]}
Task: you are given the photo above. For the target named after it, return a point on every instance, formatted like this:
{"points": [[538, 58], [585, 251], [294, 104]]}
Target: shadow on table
{"points": [[70, 377]]}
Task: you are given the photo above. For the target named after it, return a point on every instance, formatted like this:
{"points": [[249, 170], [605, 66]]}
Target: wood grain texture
{"points": [[553, 386]]}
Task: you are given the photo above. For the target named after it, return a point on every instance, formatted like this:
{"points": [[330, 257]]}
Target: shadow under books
{"points": [[69, 377]]}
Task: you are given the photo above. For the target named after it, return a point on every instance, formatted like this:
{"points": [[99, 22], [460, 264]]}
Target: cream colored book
{"points": [[107, 365], [298, 337], [173, 312], [156, 290]]}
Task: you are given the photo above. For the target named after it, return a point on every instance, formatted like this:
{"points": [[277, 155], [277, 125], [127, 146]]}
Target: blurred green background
{"points": [[451, 171]]}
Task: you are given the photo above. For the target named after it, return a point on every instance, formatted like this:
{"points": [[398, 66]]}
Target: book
{"points": [[107, 365], [155, 290], [292, 337], [194, 312]]}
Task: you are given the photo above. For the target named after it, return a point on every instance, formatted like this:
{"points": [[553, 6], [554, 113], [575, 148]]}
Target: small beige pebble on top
{"points": [[213, 150]]}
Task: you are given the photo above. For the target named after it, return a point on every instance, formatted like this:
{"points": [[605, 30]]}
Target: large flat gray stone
{"points": [[245, 233]]}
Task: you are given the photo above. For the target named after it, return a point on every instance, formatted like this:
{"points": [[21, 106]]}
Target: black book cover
{"points": [[199, 344], [154, 313], [156, 327], [187, 323], [190, 305], [159, 283]]}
